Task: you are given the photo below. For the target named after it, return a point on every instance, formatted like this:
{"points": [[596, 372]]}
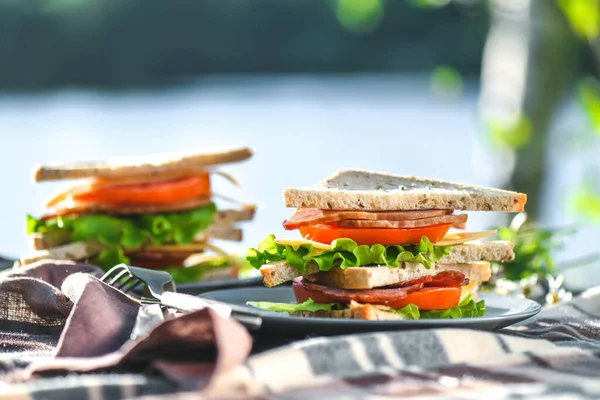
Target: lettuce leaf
{"points": [[346, 253], [122, 233], [309, 305], [468, 308]]}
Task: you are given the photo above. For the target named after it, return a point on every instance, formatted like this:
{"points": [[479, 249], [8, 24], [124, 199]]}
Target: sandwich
{"points": [[155, 211], [377, 246]]}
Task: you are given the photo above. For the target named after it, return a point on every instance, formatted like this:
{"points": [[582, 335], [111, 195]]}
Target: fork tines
{"points": [[121, 279]]}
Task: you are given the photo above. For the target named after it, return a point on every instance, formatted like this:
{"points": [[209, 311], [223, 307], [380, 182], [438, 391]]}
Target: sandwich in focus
{"points": [[153, 211], [378, 247]]}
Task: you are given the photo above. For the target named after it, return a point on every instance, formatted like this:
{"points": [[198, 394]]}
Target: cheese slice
{"points": [[449, 239], [295, 243], [463, 237]]}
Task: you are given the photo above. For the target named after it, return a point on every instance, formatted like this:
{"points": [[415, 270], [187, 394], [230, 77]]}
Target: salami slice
{"points": [[324, 294], [441, 279]]}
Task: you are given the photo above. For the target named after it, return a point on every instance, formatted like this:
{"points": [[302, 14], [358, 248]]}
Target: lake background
{"points": [[301, 128]]}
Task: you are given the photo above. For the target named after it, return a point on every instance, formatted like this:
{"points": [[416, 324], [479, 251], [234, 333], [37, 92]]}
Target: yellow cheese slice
{"points": [[449, 239], [463, 237], [295, 243]]}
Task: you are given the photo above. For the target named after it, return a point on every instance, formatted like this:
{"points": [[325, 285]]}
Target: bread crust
{"points": [[355, 189], [73, 251], [374, 277], [151, 165]]}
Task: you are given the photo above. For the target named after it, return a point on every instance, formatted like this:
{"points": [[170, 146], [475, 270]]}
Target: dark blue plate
{"points": [[500, 312]]}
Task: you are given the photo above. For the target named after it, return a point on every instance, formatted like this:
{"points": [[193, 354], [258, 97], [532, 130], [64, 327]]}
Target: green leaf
{"points": [[133, 237], [108, 258], [589, 97], [533, 248], [95, 228], [359, 16], [308, 306], [118, 234], [583, 16], [32, 224], [345, 253], [512, 134], [468, 308], [428, 3], [446, 82], [409, 311], [586, 203]]}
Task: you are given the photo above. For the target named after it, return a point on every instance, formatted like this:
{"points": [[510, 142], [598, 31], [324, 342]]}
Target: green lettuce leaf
{"points": [[346, 253], [119, 234], [468, 308], [409, 311], [309, 305]]}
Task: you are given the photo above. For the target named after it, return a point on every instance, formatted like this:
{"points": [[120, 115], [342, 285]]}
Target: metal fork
{"points": [[158, 288]]}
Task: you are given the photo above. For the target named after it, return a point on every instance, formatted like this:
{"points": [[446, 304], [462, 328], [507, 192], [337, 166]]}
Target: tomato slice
{"points": [[435, 298], [370, 236], [150, 193]]}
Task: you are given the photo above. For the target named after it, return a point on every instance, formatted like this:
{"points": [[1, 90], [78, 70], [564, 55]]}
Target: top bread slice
{"points": [[355, 189], [150, 165]]}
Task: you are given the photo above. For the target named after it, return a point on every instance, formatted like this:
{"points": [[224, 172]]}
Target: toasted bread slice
{"points": [[355, 311], [43, 241], [228, 217], [151, 165], [355, 189], [373, 277], [73, 251], [279, 272]]}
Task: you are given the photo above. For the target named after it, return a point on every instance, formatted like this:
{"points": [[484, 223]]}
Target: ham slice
{"points": [[384, 297], [314, 216], [457, 221]]}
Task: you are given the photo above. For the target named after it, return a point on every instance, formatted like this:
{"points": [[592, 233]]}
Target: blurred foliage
{"points": [[589, 98], [583, 16], [586, 202], [510, 134], [121, 43], [446, 82], [428, 3], [534, 248], [359, 16]]}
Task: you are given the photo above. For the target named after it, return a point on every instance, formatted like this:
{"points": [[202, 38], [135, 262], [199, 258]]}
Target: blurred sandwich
{"points": [[377, 246], [153, 211]]}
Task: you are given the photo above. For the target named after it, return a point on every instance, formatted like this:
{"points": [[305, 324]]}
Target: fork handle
{"points": [[187, 303]]}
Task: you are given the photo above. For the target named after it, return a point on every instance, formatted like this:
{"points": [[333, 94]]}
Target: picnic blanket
{"points": [[54, 348]]}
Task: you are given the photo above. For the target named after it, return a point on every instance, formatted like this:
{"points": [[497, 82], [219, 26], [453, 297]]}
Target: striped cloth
{"points": [[554, 355]]}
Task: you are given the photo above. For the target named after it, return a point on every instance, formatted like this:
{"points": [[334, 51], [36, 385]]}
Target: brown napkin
{"points": [[97, 323]]}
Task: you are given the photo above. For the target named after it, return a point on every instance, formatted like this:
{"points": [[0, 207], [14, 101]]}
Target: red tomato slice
{"points": [[150, 193], [370, 236], [434, 298], [437, 298]]}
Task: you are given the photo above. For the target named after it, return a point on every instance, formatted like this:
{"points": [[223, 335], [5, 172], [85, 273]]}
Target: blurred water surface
{"points": [[301, 128]]}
